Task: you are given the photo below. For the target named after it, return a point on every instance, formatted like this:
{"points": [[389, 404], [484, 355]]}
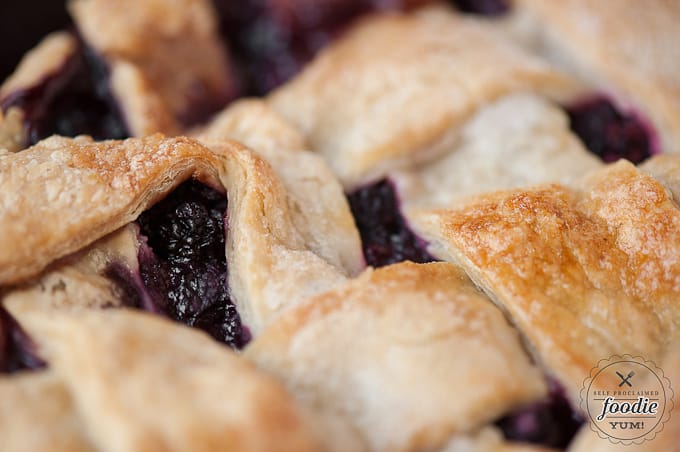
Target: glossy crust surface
{"points": [[622, 46], [584, 274], [371, 108], [382, 353], [63, 194]]}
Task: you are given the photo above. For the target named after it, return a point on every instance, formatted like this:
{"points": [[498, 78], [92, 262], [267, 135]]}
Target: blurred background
{"points": [[24, 23]]}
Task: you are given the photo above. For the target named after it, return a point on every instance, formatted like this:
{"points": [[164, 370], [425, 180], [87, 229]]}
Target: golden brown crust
{"points": [[621, 47], [173, 48], [62, 194], [371, 108], [583, 274], [193, 395], [323, 215], [379, 353]]}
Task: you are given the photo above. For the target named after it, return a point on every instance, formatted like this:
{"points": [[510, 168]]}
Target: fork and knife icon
{"points": [[626, 379]]}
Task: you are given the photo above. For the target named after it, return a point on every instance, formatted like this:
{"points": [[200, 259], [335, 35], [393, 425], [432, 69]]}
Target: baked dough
{"points": [[369, 109], [516, 141], [584, 274], [193, 395], [620, 47], [49, 57], [143, 42], [63, 194], [409, 354], [324, 218]]}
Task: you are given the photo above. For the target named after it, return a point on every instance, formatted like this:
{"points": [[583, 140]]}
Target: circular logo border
{"points": [[664, 382]]}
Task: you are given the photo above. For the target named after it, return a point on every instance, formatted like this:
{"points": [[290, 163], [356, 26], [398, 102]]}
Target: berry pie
{"points": [[337, 225]]}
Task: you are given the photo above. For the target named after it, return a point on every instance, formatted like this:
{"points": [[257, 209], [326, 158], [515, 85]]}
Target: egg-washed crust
{"points": [[61, 195], [371, 108], [622, 46], [409, 354], [584, 274]]}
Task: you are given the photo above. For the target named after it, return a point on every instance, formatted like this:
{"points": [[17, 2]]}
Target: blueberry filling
{"points": [[551, 422], [608, 133], [183, 265], [385, 235], [272, 40], [73, 101], [483, 7], [17, 351]]}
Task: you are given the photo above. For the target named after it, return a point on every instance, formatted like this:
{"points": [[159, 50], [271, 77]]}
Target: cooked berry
{"points": [[483, 7], [551, 423], [74, 101], [272, 40], [385, 236], [183, 264], [608, 133], [17, 351]]}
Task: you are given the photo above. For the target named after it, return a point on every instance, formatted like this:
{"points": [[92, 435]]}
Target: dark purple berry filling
{"points": [[183, 264], [608, 133], [272, 40], [73, 101], [17, 351], [551, 422], [385, 235], [483, 7]]}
